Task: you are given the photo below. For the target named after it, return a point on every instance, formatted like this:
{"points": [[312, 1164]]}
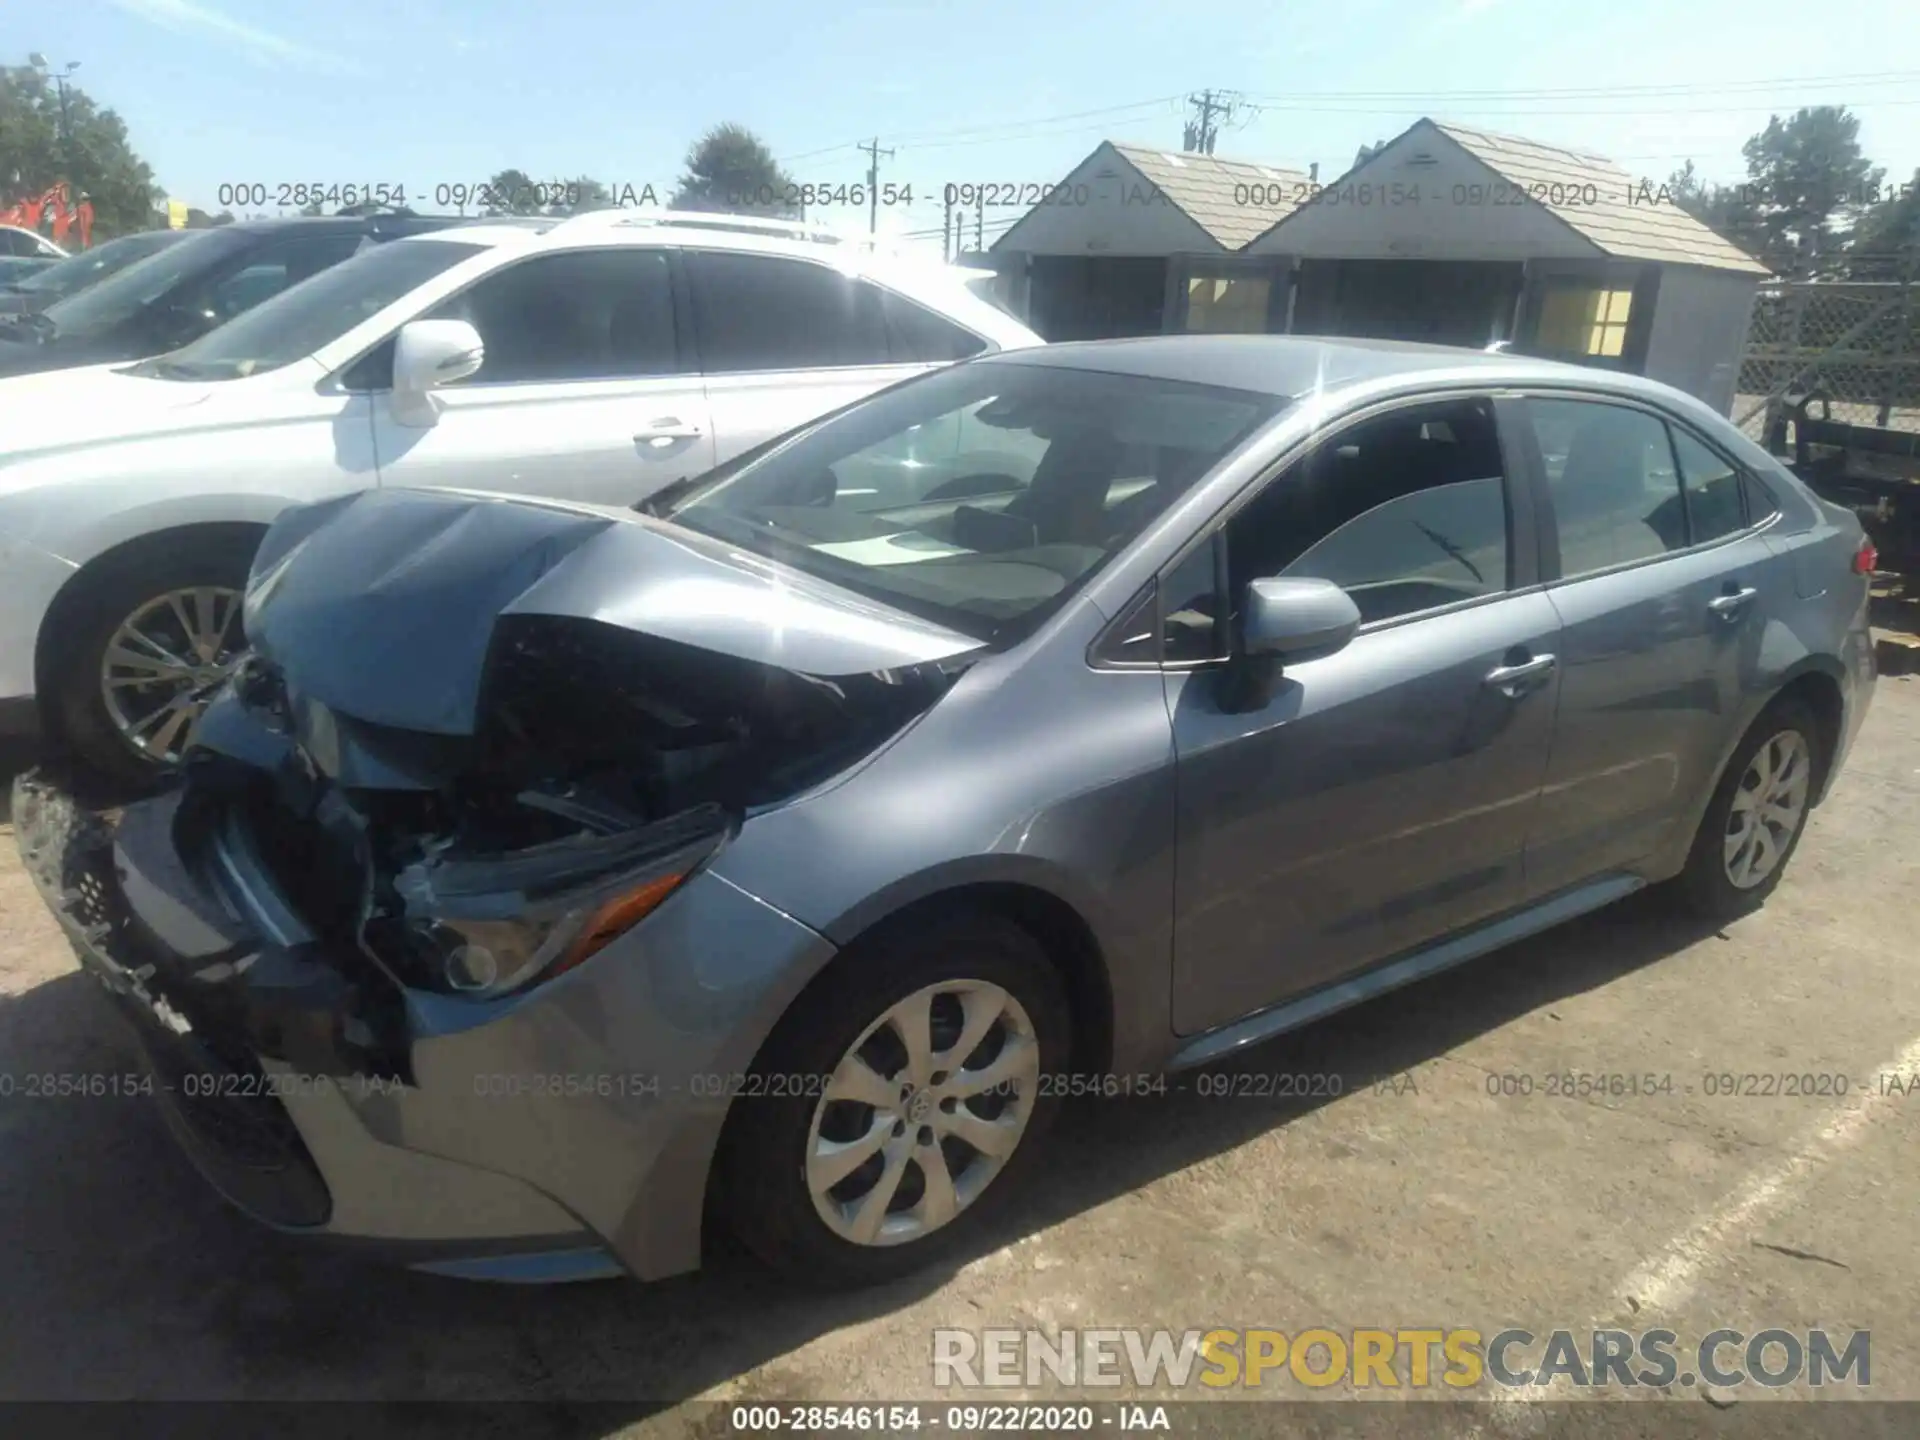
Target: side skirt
{"points": [[1456, 950]]}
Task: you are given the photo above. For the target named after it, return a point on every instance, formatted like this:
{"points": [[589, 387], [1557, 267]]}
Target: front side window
{"points": [[1405, 512], [572, 315], [1089, 459], [1610, 471], [760, 312]]}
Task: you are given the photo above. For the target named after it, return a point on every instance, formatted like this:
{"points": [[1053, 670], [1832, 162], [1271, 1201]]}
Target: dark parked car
{"points": [[15, 268], [554, 877], [177, 295], [24, 293]]}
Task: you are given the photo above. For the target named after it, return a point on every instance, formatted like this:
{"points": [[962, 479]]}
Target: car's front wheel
{"points": [[900, 1095], [145, 643]]}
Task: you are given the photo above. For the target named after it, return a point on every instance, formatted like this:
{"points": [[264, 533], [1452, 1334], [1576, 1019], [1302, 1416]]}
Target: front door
{"points": [[1381, 797], [582, 394]]}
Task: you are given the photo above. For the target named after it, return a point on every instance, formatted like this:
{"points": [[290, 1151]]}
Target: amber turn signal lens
{"points": [[615, 918]]}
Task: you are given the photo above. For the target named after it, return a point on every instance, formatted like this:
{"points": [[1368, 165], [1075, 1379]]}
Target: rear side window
{"points": [[1711, 487], [761, 312], [1611, 473]]}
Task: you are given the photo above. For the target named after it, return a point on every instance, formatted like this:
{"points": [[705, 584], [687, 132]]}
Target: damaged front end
{"points": [[477, 742]]}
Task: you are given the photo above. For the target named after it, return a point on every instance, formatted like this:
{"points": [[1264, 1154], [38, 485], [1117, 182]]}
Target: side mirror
{"points": [[1296, 619], [430, 353], [1283, 620]]}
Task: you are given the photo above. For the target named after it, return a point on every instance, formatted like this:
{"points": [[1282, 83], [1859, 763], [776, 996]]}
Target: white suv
{"points": [[597, 358]]}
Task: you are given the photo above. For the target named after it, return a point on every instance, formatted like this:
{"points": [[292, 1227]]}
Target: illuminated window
{"points": [[1227, 305], [1584, 322]]}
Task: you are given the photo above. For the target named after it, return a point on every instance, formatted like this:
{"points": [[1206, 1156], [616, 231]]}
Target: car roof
{"points": [[1290, 366], [399, 222]]}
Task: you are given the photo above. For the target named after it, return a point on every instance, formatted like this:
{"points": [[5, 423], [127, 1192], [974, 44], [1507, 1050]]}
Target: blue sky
{"points": [[426, 92]]}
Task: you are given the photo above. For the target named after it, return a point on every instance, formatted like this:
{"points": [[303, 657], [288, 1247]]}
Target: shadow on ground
{"points": [[126, 1278]]}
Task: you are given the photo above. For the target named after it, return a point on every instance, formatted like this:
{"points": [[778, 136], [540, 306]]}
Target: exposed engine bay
{"points": [[561, 775]]}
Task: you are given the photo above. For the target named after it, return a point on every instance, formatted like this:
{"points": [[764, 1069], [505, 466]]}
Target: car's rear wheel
{"points": [[142, 649], [1757, 814], [899, 1098]]}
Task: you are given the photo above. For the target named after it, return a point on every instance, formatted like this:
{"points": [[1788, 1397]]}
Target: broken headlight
{"points": [[483, 925], [485, 958]]}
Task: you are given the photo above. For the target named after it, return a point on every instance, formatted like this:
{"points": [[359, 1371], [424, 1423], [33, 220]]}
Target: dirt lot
{"points": [[1416, 1198]]}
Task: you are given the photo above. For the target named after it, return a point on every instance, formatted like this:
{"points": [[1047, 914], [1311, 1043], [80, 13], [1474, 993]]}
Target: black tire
{"points": [[1704, 887], [78, 638], [761, 1174]]}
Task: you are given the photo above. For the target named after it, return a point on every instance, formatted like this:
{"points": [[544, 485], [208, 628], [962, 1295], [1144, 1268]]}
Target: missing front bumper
{"points": [[216, 1097]]}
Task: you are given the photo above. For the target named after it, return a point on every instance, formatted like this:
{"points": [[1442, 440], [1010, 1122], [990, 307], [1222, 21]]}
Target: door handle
{"points": [[664, 431], [1730, 605], [1520, 679]]}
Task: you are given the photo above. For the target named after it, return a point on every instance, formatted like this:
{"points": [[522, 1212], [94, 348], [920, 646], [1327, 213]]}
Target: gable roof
{"points": [[1644, 231], [1220, 196]]}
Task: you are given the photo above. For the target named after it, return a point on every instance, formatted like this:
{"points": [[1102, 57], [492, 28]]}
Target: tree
{"points": [[1886, 243], [1808, 184], [581, 194], [511, 193], [1725, 209], [729, 168], [89, 150]]}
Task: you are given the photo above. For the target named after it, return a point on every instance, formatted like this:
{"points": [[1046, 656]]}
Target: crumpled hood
{"points": [[58, 409], [381, 605]]}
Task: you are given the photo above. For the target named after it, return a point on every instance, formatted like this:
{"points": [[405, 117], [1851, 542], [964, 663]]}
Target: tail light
{"points": [[1865, 558]]}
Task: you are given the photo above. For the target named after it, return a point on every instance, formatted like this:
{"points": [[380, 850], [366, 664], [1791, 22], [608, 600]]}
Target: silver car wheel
{"points": [[1769, 805], [922, 1112], [163, 664]]}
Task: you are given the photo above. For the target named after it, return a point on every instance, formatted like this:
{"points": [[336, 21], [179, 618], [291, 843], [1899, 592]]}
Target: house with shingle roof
{"points": [[1443, 234], [1120, 245], [1459, 236]]}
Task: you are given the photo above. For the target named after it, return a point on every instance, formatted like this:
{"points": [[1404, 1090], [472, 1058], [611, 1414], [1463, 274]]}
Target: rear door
{"points": [[584, 394], [782, 340], [1660, 578], [1381, 797]]}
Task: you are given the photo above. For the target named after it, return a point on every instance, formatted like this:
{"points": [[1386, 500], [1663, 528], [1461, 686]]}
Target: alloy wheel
{"points": [[163, 664], [922, 1112], [1769, 805]]}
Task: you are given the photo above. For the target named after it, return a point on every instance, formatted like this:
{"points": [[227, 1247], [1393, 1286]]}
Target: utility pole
{"points": [[59, 79], [874, 152], [1203, 130], [980, 225], [949, 250]]}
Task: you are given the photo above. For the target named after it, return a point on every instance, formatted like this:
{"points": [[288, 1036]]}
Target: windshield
{"points": [[298, 321], [91, 266], [120, 297], [982, 495]]}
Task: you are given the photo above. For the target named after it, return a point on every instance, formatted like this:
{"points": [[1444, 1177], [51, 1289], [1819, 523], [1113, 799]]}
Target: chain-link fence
{"points": [[1855, 342]]}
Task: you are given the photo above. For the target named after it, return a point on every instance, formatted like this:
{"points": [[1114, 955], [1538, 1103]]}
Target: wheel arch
{"points": [[110, 561], [1816, 680]]}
